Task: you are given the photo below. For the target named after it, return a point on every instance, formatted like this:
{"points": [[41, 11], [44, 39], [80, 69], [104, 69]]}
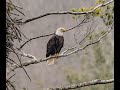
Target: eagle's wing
{"points": [[59, 43], [51, 46]]}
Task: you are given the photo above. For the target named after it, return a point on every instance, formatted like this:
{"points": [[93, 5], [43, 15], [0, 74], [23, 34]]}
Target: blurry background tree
{"points": [[94, 62], [13, 33]]}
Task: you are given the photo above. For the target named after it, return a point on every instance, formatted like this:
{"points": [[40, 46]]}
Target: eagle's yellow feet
{"points": [[57, 56]]}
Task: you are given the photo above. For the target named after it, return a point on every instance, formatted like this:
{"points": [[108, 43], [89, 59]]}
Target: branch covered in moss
{"points": [[68, 12], [80, 85]]}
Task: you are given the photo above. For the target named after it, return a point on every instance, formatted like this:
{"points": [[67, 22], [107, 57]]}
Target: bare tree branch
{"points": [[80, 85], [87, 34], [34, 61], [33, 39], [81, 23], [10, 77], [67, 12]]}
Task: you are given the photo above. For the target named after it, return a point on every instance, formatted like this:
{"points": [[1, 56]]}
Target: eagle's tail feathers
{"points": [[50, 61]]}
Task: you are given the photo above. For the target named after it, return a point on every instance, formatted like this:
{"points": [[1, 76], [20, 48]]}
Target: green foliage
{"points": [[90, 37], [106, 12], [81, 9], [100, 66], [97, 12], [108, 16], [98, 55], [72, 76], [102, 32], [100, 1]]}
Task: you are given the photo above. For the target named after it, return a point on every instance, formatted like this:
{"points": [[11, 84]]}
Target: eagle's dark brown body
{"points": [[54, 45]]}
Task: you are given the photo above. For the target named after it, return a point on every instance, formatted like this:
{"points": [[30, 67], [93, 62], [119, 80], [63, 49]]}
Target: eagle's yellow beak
{"points": [[63, 30]]}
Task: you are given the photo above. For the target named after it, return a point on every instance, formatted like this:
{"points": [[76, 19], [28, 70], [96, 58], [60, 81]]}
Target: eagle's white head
{"points": [[60, 31]]}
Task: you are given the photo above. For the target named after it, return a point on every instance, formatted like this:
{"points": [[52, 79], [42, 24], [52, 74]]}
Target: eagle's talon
{"points": [[57, 56]]}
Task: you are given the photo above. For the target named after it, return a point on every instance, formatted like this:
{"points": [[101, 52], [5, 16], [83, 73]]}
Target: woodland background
{"points": [[94, 62]]}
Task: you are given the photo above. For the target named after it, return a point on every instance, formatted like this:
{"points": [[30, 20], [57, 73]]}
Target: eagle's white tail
{"points": [[51, 61]]}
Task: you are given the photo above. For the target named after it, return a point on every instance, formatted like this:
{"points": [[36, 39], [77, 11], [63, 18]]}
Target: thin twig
{"points": [[10, 83], [87, 34], [68, 50], [11, 60], [21, 64], [11, 77]]}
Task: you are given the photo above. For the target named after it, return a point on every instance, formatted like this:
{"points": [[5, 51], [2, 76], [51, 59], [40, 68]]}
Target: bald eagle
{"points": [[55, 44]]}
